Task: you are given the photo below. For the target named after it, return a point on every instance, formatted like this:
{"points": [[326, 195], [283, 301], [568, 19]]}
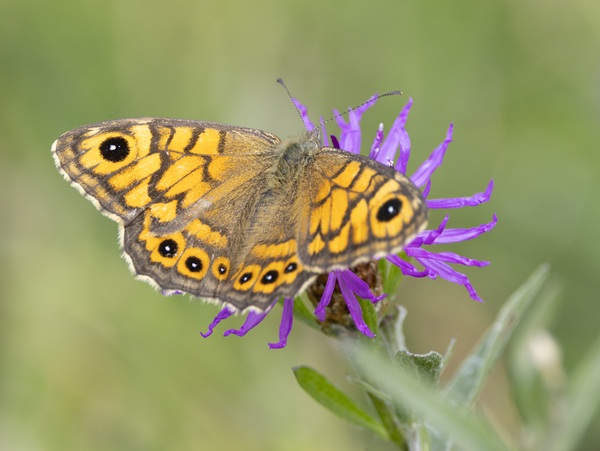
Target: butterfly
{"points": [[236, 215]]}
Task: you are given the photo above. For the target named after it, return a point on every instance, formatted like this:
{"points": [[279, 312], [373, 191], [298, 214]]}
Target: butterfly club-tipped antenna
{"points": [[319, 129], [292, 99]]}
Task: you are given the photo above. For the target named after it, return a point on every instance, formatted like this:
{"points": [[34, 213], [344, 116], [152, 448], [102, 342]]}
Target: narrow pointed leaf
{"points": [[326, 394], [470, 377], [584, 400]]}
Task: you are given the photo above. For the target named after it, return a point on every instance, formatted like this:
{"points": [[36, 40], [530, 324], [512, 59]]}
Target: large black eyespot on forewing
{"points": [[115, 149], [389, 210]]}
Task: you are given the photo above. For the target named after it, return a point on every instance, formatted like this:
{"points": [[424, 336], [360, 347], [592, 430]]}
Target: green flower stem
{"points": [[390, 421]]}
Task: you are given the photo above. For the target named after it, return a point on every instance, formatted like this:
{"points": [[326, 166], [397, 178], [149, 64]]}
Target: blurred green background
{"points": [[92, 359]]}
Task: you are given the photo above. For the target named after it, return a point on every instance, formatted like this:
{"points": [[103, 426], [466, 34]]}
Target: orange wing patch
{"points": [[141, 169], [348, 174], [138, 197], [206, 234], [208, 142]]}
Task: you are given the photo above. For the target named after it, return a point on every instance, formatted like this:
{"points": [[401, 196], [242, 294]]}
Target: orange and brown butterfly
{"points": [[236, 215]]}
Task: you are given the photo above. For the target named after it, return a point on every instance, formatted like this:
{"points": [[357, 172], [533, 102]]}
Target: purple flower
{"points": [[391, 150]]}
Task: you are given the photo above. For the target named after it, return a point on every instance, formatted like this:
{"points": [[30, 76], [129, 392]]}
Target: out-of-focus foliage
{"points": [[91, 359]]}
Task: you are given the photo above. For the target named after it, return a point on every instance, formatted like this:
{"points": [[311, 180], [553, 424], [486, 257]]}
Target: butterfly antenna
{"points": [[373, 99], [343, 113], [281, 82]]}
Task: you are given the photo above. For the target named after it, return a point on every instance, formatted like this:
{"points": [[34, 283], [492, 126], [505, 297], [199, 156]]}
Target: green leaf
{"points": [[537, 390], [471, 375], [329, 396], [427, 367], [369, 314], [302, 312], [583, 400], [426, 402], [389, 418]]}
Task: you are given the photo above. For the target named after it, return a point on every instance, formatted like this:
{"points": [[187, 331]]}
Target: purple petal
{"points": [[423, 174], [397, 138], [326, 297], [376, 146], [225, 313], [448, 257], [334, 142], [458, 202], [253, 319], [304, 115], [454, 235], [448, 273], [429, 236], [350, 136], [285, 327], [323, 133], [354, 308], [405, 145], [426, 189], [407, 268], [359, 286]]}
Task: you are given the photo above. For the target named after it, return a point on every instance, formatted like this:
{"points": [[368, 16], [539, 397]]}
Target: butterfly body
{"points": [[234, 214]]}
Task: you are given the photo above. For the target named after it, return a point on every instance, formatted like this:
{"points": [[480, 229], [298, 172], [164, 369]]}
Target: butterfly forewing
{"points": [[356, 209]]}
